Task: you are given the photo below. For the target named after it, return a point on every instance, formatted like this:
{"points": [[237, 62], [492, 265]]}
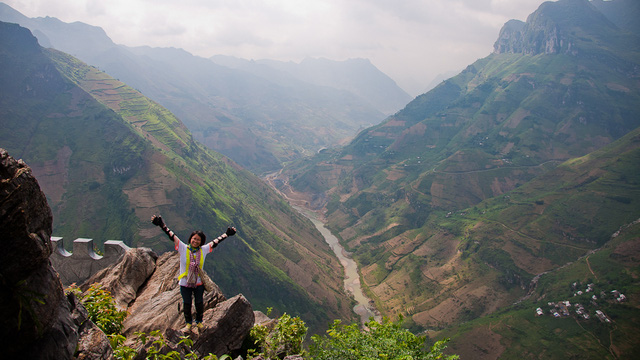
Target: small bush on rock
{"points": [[102, 308], [282, 339]]}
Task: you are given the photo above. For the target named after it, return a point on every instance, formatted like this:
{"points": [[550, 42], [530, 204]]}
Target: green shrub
{"points": [[154, 351], [284, 338], [101, 308], [386, 340]]}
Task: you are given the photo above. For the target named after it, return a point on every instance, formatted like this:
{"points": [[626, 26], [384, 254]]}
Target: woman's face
{"points": [[195, 240]]}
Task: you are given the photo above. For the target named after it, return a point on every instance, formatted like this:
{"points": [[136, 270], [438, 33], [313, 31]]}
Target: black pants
{"points": [[187, 295]]}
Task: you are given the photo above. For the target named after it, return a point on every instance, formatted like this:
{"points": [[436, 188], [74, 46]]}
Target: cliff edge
{"points": [[39, 321]]}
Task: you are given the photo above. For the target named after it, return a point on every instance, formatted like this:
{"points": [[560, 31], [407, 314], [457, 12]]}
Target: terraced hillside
{"points": [[456, 203]]}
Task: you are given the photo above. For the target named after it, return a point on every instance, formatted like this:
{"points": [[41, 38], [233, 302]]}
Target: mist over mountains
{"points": [[259, 118], [357, 76]]}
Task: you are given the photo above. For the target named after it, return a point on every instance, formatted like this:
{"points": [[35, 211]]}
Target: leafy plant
{"points": [[121, 351], [154, 352], [102, 309], [385, 340], [25, 298], [285, 337]]}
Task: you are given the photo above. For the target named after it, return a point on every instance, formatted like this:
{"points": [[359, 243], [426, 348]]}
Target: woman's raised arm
{"points": [[157, 220]]}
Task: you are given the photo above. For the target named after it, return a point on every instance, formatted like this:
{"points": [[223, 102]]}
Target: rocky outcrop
{"points": [[124, 278], [145, 285], [510, 38], [226, 327], [37, 320], [92, 344], [551, 29]]}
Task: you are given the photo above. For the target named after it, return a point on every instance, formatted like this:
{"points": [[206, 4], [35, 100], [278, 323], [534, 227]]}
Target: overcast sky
{"points": [[412, 41]]}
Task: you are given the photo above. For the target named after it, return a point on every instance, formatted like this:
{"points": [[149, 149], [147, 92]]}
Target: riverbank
{"points": [[364, 306]]}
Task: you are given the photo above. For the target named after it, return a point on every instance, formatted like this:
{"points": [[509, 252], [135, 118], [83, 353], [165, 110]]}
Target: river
{"points": [[364, 306]]}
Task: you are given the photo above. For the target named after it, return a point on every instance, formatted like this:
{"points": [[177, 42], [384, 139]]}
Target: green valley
{"points": [[523, 163], [497, 209]]}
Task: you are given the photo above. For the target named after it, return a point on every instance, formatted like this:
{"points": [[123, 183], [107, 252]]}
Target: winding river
{"points": [[363, 307]]}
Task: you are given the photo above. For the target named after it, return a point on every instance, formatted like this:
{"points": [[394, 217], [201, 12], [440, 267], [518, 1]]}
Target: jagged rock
{"points": [[154, 303], [226, 327], [261, 318], [93, 344], [158, 304], [38, 321], [35, 318], [510, 38], [25, 220], [25, 274], [550, 29], [124, 278], [48, 330]]}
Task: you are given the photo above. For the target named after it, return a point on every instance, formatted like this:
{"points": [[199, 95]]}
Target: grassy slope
{"points": [[469, 263], [462, 148], [517, 332]]}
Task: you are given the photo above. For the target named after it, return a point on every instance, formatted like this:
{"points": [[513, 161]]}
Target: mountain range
{"points": [[524, 162], [259, 117], [509, 187], [108, 158]]}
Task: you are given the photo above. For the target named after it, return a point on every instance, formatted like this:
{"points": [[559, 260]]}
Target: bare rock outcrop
{"points": [[37, 320], [124, 278], [226, 327], [146, 286], [551, 29]]}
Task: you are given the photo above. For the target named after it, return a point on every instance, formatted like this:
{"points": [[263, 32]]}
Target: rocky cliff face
{"points": [[37, 319], [144, 284], [551, 29]]}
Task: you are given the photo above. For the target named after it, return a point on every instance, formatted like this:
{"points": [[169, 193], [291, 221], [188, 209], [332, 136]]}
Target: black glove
{"points": [[157, 220], [231, 231]]}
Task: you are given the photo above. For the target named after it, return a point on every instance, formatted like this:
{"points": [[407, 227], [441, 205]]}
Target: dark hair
{"points": [[203, 237]]}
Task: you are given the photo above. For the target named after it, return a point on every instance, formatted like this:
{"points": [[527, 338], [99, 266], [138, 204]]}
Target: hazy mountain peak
{"points": [[19, 38], [10, 14], [75, 38], [555, 27], [624, 13], [356, 75]]}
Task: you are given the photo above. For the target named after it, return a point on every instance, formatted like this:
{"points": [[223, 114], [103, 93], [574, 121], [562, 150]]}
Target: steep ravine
{"points": [[364, 306]]}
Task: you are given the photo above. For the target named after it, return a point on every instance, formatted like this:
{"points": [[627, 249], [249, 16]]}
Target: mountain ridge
{"points": [[430, 201], [108, 158], [260, 122], [356, 75]]}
